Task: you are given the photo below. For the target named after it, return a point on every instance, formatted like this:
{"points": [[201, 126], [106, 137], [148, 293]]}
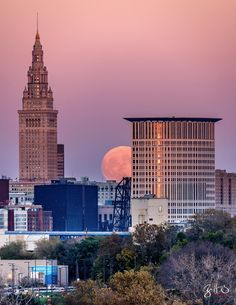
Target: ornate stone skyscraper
{"points": [[37, 124]]}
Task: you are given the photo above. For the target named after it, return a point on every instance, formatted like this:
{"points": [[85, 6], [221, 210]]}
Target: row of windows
{"points": [[177, 174], [151, 145], [183, 167], [173, 130]]}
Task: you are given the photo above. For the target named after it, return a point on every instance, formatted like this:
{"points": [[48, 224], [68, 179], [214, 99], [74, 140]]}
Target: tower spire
{"points": [[37, 33]]}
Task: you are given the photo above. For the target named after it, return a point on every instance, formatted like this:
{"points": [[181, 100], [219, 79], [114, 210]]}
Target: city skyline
{"points": [[112, 60]]}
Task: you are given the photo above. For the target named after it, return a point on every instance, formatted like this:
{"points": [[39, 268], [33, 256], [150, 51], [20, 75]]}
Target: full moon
{"points": [[116, 163]]}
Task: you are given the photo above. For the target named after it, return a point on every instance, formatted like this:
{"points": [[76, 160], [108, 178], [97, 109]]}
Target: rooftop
{"points": [[172, 119]]}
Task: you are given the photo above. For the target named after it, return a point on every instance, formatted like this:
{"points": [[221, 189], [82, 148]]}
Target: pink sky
{"points": [[109, 59]]}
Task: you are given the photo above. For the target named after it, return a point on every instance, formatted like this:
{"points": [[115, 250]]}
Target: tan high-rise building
{"points": [[226, 192], [37, 124], [174, 158]]}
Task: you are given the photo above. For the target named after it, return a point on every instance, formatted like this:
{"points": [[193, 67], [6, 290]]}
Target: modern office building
{"points": [[174, 158], [4, 192], [74, 206], [60, 161], [37, 124], [226, 192]]}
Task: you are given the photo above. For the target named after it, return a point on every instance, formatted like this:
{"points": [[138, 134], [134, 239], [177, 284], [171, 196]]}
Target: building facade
{"points": [[106, 192], [174, 158], [22, 190], [226, 192], [105, 217], [45, 272], [74, 206], [4, 192], [37, 124], [60, 161], [25, 218], [149, 210]]}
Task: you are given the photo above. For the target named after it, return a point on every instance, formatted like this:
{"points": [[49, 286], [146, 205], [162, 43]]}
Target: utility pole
{"points": [[13, 269]]}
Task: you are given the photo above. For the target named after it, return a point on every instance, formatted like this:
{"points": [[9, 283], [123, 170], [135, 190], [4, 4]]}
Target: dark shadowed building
{"points": [[4, 192], [60, 161], [74, 206]]}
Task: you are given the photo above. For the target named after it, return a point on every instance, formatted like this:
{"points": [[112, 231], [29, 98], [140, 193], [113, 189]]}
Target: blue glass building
{"points": [[74, 206]]}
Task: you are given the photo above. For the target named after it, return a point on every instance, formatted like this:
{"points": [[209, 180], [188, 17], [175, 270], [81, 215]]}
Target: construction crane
{"points": [[121, 211]]}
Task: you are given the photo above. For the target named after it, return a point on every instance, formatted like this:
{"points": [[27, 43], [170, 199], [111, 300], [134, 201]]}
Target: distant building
{"points": [[17, 198], [39, 220], [174, 158], [226, 191], [106, 192], [74, 206], [105, 217], [25, 218], [4, 192], [37, 123], [60, 161], [46, 272], [22, 190], [149, 210]]}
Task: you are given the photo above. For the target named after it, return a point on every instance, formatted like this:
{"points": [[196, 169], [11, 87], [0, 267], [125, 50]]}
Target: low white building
{"points": [[46, 272], [149, 210]]}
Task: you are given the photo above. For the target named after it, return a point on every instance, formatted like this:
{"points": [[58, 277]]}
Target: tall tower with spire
{"points": [[37, 123]]}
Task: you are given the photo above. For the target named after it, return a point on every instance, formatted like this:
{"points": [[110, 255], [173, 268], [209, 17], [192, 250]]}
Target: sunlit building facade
{"points": [[174, 158]]}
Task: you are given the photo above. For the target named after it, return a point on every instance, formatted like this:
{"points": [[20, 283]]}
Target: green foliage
{"points": [[111, 259], [85, 253], [216, 226], [48, 248], [151, 241], [15, 250], [126, 259]]}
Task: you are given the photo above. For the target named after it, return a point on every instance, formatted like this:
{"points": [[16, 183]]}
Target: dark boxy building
{"points": [[4, 192], [74, 206]]}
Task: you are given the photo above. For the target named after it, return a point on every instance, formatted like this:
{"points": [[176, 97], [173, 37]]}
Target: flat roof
{"points": [[173, 118]]}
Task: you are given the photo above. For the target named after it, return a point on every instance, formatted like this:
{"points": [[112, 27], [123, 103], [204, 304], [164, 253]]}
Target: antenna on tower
{"points": [[37, 33]]}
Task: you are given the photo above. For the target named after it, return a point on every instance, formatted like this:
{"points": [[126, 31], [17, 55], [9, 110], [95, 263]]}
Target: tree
{"points": [[211, 221], [85, 253], [198, 268], [15, 250], [151, 241], [126, 259], [128, 288], [48, 248], [84, 294], [106, 263], [137, 288]]}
